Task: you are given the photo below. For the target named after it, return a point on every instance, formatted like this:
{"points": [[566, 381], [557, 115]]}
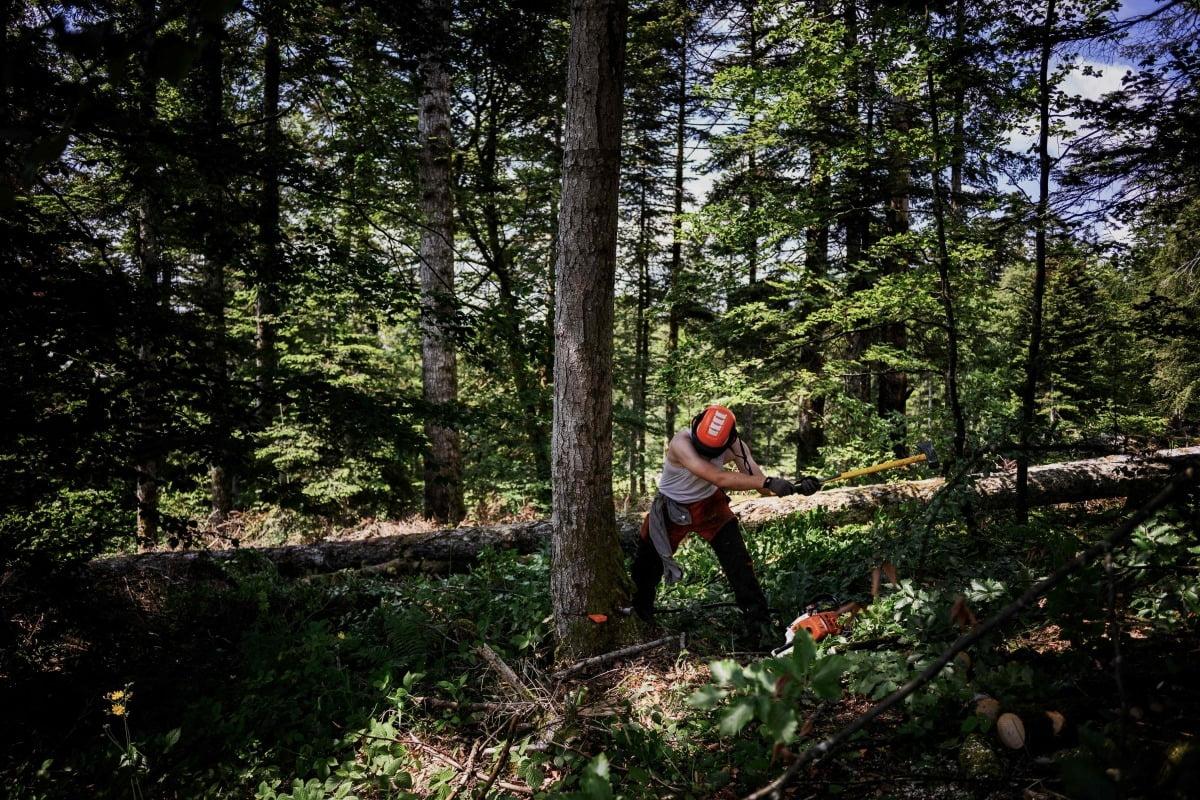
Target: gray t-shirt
{"points": [[684, 486]]}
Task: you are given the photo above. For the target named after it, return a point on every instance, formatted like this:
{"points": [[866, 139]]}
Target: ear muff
{"points": [[713, 430]]}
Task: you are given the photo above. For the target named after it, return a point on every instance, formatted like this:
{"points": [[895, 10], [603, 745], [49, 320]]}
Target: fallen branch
{"points": [[467, 772], [823, 749], [516, 707], [615, 655], [506, 673], [450, 761], [502, 759]]}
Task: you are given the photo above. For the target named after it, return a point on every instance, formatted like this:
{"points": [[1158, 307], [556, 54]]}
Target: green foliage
{"points": [[322, 688], [860, 437], [919, 621], [769, 692], [76, 524], [1163, 562]]}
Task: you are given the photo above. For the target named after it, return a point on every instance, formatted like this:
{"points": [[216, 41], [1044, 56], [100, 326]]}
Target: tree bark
{"points": [[675, 264], [893, 389], [443, 463], [587, 573], [154, 286], [1033, 359], [269, 262], [382, 547], [217, 239]]}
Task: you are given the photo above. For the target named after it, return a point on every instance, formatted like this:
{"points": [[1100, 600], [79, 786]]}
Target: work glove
{"points": [[808, 485], [782, 487]]}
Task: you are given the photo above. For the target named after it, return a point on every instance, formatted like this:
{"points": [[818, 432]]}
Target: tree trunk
{"points": [[856, 220], [153, 293], [809, 436], [892, 397], [640, 379], [943, 262], [217, 240], [675, 265], [587, 573], [266, 295], [958, 109], [382, 547], [443, 463], [1049, 484], [147, 450], [1033, 360]]}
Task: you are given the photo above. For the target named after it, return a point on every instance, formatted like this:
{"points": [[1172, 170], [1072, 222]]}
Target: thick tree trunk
{"points": [[1050, 484], [381, 547], [587, 574], [443, 462]]}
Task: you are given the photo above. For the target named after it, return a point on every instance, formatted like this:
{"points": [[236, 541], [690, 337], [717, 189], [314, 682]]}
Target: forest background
{"points": [[214, 230], [276, 269]]}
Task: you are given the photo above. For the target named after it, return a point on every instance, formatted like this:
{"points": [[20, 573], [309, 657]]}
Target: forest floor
{"points": [[66, 641], [1149, 727]]}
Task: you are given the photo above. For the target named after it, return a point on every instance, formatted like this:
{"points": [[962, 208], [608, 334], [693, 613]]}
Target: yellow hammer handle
{"points": [[903, 462]]}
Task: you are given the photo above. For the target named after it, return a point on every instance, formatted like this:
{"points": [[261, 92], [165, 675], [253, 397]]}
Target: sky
{"points": [[1107, 70]]}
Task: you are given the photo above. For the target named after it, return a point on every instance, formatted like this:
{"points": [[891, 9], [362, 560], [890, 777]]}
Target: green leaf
{"points": [[804, 651], [736, 717], [594, 781], [826, 679], [725, 672], [706, 697], [171, 738]]}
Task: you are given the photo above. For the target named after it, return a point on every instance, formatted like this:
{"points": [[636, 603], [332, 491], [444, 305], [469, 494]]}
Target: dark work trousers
{"points": [[730, 549]]}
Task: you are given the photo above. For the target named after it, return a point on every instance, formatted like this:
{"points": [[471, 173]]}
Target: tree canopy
{"points": [[216, 220]]}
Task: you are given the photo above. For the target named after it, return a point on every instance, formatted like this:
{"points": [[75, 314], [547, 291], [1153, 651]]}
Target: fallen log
{"points": [[382, 547], [1106, 478]]}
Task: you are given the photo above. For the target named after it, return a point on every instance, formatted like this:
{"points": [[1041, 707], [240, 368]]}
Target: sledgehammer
{"points": [[927, 455]]}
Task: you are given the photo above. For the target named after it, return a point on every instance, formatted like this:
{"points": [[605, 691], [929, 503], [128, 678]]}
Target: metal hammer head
{"points": [[930, 456]]}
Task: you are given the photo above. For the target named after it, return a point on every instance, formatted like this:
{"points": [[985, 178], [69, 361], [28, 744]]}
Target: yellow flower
{"points": [[119, 701], [341, 634]]}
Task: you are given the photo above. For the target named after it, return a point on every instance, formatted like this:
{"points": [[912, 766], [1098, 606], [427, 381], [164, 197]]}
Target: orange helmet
{"points": [[713, 430]]}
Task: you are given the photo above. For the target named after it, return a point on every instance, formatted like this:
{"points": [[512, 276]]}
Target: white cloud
{"points": [[1093, 86]]}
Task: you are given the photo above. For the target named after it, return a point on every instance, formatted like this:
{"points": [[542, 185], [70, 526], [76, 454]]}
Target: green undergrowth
{"points": [[248, 685]]}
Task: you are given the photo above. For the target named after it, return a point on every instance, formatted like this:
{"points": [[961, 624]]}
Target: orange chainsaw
{"points": [[821, 617]]}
